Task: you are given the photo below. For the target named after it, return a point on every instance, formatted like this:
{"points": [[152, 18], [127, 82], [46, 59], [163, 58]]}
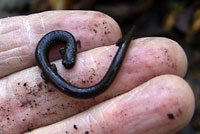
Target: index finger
{"points": [[20, 35]]}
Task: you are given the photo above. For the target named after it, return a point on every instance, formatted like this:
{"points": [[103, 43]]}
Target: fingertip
{"points": [[179, 56], [167, 102], [164, 104], [181, 97], [166, 55]]}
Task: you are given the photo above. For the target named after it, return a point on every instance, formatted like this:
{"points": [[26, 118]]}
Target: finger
{"points": [[163, 105], [37, 104], [20, 35]]}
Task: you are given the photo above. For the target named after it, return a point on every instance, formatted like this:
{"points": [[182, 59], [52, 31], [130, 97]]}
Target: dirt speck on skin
{"points": [[96, 25], [169, 63], [26, 104], [95, 31], [104, 32], [33, 91], [170, 116], [6, 113], [75, 127], [86, 132], [107, 30], [123, 112], [90, 78], [29, 99], [104, 22], [40, 85], [30, 128], [25, 84], [179, 113]]}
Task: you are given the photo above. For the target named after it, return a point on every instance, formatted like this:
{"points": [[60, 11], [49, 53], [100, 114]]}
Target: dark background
{"points": [[176, 19]]}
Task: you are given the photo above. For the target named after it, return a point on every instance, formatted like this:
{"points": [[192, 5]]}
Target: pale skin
{"points": [[148, 96]]}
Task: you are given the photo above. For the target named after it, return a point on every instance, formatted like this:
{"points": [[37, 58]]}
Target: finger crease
{"points": [[42, 22], [28, 29]]}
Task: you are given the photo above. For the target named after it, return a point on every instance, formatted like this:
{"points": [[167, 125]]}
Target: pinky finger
{"points": [[163, 105]]}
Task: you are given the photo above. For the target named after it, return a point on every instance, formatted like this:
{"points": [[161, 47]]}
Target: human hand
{"points": [[141, 100]]}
